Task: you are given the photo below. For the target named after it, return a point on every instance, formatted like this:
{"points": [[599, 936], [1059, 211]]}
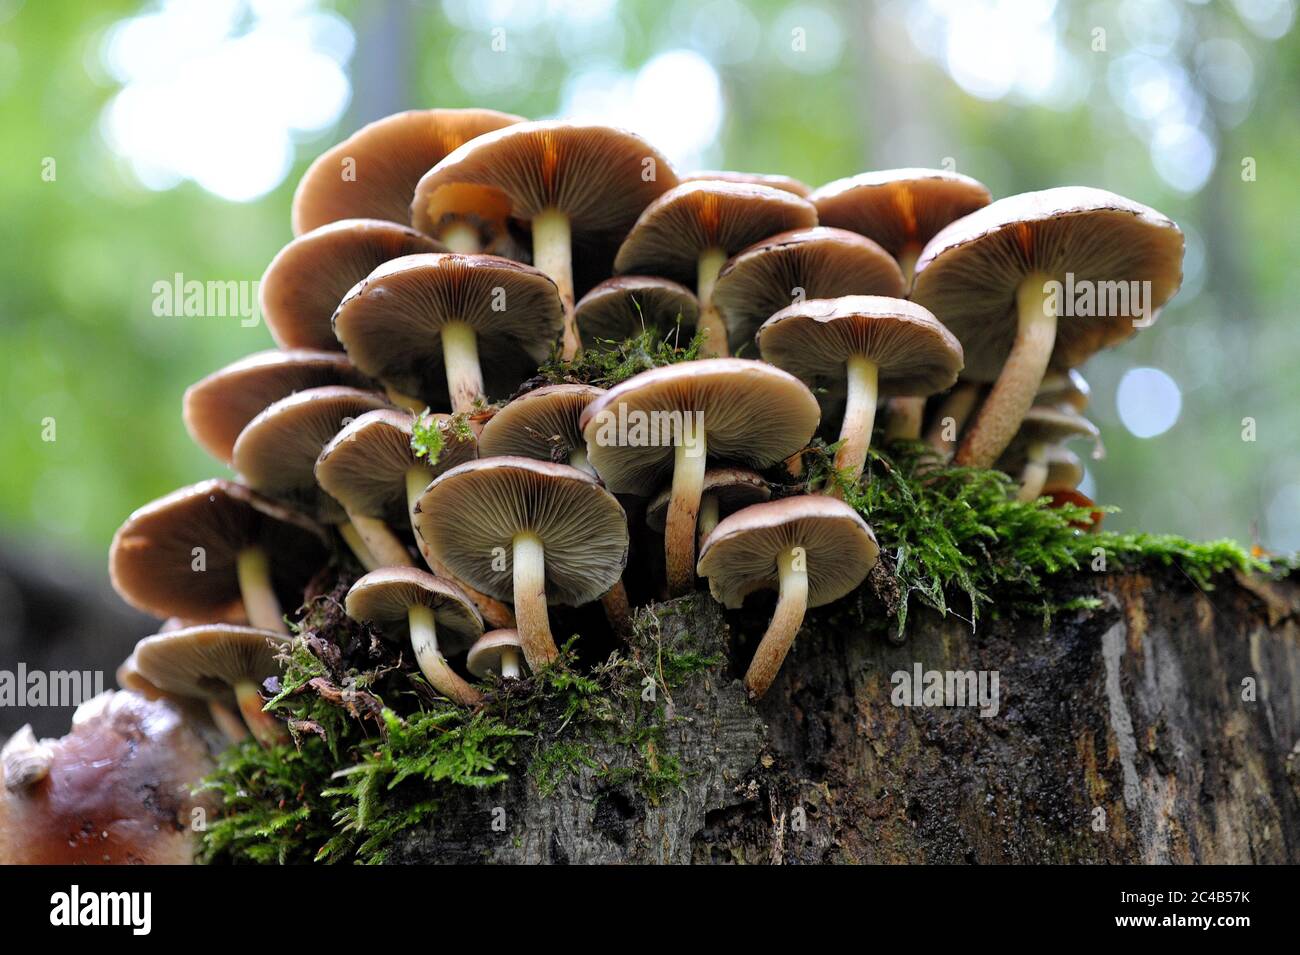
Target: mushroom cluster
{"points": [[442, 256]]}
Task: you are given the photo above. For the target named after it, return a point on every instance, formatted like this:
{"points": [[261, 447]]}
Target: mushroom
{"points": [[308, 278], [200, 551], [668, 421], [726, 490], [813, 549], [1042, 428], [373, 173], [951, 416], [405, 601], [1064, 389], [997, 277], [226, 720], [575, 183], [1064, 470], [542, 424], [876, 345], [622, 307], [540, 532], [371, 469], [689, 232], [430, 325], [218, 407], [499, 652], [797, 265], [276, 455], [216, 662], [786, 183]]}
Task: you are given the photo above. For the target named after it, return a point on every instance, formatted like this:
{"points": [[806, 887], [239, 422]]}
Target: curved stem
{"points": [[903, 419], [553, 255], [357, 544], [617, 609], [1034, 475], [510, 669], [266, 729], [384, 547], [424, 641], [260, 602], [684, 505], [786, 620], [231, 726], [1013, 393], [460, 236], [859, 419], [530, 601], [710, 322], [952, 416], [708, 518], [460, 358]]}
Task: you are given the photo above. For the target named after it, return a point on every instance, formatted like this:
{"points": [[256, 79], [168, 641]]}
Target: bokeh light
{"points": [[1148, 401]]}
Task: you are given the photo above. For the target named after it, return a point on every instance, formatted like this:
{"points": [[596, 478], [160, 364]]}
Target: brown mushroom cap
{"points": [[205, 662], [276, 453], [1043, 424], [485, 656], [805, 263], [385, 596], [391, 321], [915, 354], [753, 413], [308, 278], [1064, 388], [152, 560], [470, 515], [364, 467], [899, 207], [1064, 470], [598, 176], [388, 158], [733, 487], [620, 307], [786, 183], [219, 406], [740, 556], [542, 424], [684, 222], [130, 678], [969, 272]]}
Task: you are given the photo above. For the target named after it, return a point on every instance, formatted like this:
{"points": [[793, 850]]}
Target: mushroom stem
{"points": [[684, 506], [260, 602], [231, 726], [530, 601], [460, 236], [903, 419], [424, 641], [460, 358], [1013, 393], [952, 416], [414, 405], [510, 664], [786, 619], [266, 729], [578, 459], [907, 257], [710, 324], [1034, 475], [618, 609], [859, 419], [553, 255], [380, 545], [708, 518]]}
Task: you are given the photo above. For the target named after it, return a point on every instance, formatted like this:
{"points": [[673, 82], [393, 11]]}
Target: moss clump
{"points": [[429, 435], [611, 362]]}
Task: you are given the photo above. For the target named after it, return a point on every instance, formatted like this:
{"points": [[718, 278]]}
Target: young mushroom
{"points": [[498, 652], [875, 345], [218, 662], [215, 551], [666, 423], [689, 232], [1064, 390], [998, 279], [535, 531], [429, 326], [624, 306], [573, 183], [219, 406], [373, 173], [726, 490], [1042, 429], [434, 613], [801, 264], [813, 549]]}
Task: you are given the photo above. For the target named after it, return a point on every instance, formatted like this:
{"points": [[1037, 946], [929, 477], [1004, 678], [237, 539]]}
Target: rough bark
{"points": [[1124, 734]]}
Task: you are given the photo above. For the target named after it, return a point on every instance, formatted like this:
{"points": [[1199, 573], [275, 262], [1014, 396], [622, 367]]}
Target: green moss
{"points": [[430, 435], [611, 362]]}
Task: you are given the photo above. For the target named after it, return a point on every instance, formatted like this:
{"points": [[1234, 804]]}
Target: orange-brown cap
{"points": [[385, 596], [541, 424]]}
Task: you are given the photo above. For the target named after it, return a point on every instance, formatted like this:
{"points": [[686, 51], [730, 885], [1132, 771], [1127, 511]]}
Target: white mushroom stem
{"points": [[684, 506], [952, 416], [708, 518], [578, 459], [231, 726], [1013, 393], [460, 236], [710, 323], [534, 624], [382, 546], [266, 729], [907, 257], [1034, 476], [460, 358], [553, 255], [791, 605], [903, 419], [424, 641], [859, 419], [510, 669], [356, 542], [260, 602]]}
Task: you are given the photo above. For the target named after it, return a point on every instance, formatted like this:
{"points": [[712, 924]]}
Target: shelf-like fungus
{"points": [[624, 306], [498, 652]]}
